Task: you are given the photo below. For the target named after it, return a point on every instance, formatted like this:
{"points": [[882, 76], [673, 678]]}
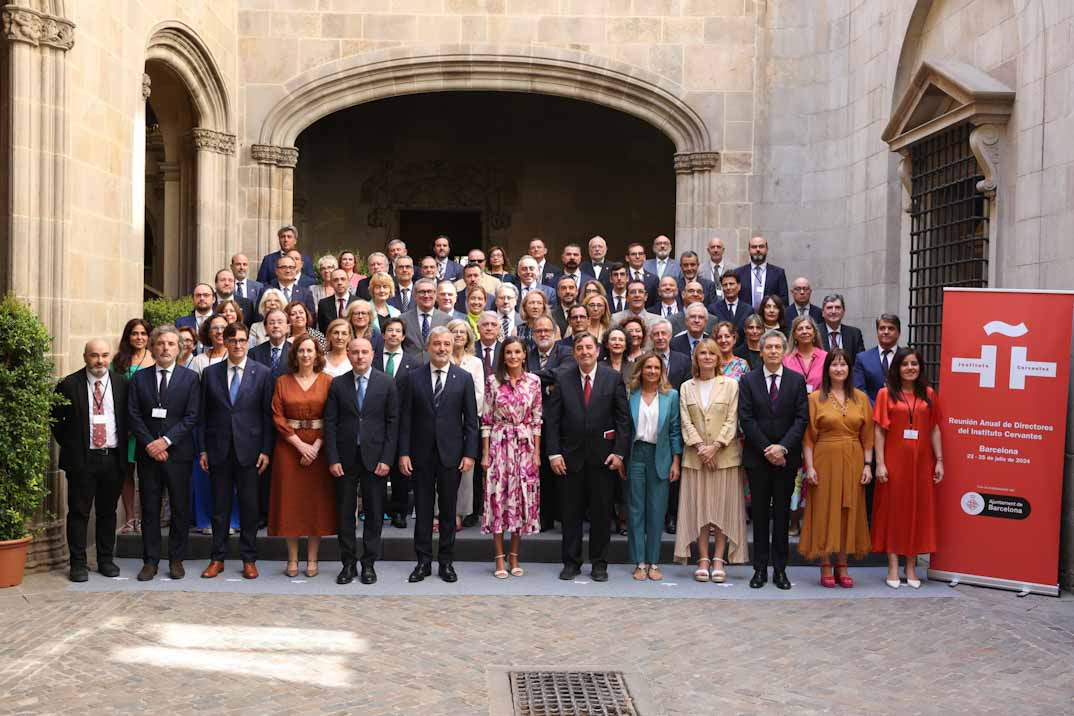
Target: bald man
{"points": [[91, 430]]}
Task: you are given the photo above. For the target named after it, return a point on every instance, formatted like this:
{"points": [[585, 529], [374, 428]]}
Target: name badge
{"points": [[98, 420], [909, 434], [609, 435], [160, 413], [808, 388]]}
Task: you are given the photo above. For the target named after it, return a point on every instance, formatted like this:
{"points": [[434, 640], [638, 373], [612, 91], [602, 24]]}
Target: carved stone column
{"points": [[275, 192], [34, 182], [213, 151], [696, 212]]}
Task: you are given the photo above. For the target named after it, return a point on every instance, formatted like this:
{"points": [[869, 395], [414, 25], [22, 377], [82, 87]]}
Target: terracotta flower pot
{"points": [[13, 561]]}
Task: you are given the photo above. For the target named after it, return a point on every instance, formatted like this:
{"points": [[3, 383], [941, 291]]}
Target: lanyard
{"points": [[805, 369], [913, 409], [98, 405]]}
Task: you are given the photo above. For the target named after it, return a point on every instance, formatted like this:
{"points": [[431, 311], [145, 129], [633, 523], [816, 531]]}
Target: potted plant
{"points": [[27, 396]]}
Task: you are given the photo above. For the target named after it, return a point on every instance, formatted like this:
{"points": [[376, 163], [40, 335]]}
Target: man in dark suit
{"points": [[668, 303], [697, 318], [91, 431], [546, 270], [691, 294], [288, 238], [834, 333], [285, 281], [438, 440], [566, 297], [332, 307], [597, 265], [245, 287], [731, 307], [162, 406], [635, 260], [572, 266], [423, 315], [871, 366], [236, 435], [578, 320], [690, 267], [773, 413], [760, 278], [529, 280], [273, 352], [377, 263], [801, 305], [472, 276], [225, 291], [404, 284], [394, 361], [447, 269], [361, 427], [588, 430], [204, 298]]}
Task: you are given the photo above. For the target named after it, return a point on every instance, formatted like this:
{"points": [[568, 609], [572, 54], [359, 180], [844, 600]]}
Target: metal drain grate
{"points": [[571, 693]]}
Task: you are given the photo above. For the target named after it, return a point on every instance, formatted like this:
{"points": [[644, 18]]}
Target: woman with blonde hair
{"points": [[381, 288], [359, 316], [534, 305], [325, 266], [600, 318], [338, 334]]}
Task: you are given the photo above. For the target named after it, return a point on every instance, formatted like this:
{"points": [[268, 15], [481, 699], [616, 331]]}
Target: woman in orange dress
{"points": [[303, 495], [837, 450], [909, 465]]}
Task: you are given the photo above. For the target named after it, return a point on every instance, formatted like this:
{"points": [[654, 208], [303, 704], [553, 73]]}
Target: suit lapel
{"points": [[247, 377]]}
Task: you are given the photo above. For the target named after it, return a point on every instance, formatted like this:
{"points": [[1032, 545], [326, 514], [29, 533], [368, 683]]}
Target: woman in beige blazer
{"points": [[711, 498]]}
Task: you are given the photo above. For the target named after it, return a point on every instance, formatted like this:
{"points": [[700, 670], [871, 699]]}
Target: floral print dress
{"points": [[511, 420]]}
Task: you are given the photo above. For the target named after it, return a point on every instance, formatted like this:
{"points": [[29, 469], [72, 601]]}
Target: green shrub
{"points": [[27, 397], [159, 311]]}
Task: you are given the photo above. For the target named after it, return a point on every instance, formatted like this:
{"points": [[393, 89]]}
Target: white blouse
{"points": [[704, 389], [648, 417], [337, 370]]}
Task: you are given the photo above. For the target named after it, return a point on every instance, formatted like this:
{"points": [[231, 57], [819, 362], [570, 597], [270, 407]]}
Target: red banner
{"points": [[1003, 389]]}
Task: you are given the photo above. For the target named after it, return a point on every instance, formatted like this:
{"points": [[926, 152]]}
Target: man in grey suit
{"points": [[693, 293], [423, 316], [662, 264], [637, 297]]}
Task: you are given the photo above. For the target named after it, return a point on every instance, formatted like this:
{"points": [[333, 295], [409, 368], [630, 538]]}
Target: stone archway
{"points": [[381, 75]]}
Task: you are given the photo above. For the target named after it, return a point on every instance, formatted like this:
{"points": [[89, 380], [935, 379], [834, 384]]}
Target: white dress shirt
{"points": [[648, 417], [108, 408]]}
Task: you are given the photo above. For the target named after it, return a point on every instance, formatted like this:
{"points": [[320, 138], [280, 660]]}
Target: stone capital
{"points": [[213, 141], [689, 162], [23, 24], [271, 154]]}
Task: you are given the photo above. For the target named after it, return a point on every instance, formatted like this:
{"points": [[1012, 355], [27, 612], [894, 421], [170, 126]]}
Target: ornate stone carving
{"points": [[688, 162], [271, 154], [984, 142], [288, 157], [437, 184], [22, 24], [218, 142], [147, 86], [904, 179]]}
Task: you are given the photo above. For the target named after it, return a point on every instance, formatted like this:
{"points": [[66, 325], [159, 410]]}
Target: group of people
{"points": [[659, 394]]}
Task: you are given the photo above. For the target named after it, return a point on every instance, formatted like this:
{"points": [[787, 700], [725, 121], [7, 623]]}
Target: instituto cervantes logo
{"points": [[1021, 366]]}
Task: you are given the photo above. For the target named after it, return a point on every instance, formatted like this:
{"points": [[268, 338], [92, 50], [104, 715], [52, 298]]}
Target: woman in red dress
{"points": [[909, 465]]}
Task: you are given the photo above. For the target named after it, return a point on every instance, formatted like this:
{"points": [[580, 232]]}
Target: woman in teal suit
{"points": [[654, 460]]}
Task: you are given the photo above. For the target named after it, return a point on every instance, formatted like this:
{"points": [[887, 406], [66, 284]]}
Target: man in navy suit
{"points": [[635, 259], [332, 307], [288, 238], [285, 281], [225, 291], [472, 276], [487, 347], [529, 280], [203, 298], [377, 263], [697, 318], [871, 366], [236, 435], [438, 440], [801, 302], [546, 270], [404, 284], [447, 269], [578, 320], [162, 406], [669, 303], [271, 353], [834, 333], [91, 432], [572, 266], [361, 427], [773, 413], [245, 287], [395, 361], [690, 270], [760, 278], [597, 265], [731, 307], [662, 264], [588, 429], [692, 293]]}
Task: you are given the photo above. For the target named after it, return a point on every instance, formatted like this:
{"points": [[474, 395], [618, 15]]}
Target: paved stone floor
{"points": [[143, 652]]}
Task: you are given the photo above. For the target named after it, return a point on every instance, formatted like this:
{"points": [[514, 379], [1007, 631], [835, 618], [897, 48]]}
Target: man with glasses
{"points": [[800, 305], [635, 259], [404, 284], [335, 306], [636, 298], [203, 299], [287, 282], [423, 316], [578, 319]]}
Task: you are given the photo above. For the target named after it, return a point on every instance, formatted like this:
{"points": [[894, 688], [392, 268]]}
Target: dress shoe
{"points": [[175, 569], [569, 572], [108, 568], [214, 569], [760, 578], [399, 521], [446, 572], [148, 571], [420, 572], [670, 525], [599, 573], [79, 574], [369, 575], [347, 574], [470, 520], [249, 570], [779, 578]]}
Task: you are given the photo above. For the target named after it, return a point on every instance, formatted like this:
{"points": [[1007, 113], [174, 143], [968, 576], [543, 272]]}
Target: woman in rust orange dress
{"points": [[909, 465], [303, 496]]}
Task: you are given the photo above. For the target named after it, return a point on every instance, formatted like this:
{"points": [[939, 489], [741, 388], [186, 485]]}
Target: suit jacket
{"points": [[479, 351], [407, 361], [649, 279], [548, 291], [678, 368], [70, 424], [742, 309], [775, 282], [248, 308], [766, 424], [681, 344], [671, 269], [328, 310], [578, 432], [446, 433], [668, 431], [188, 320], [412, 321], [548, 275], [452, 271], [814, 312], [657, 309], [362, 289], [712, 291], [853, 342], [253, 291], [299, 293], [557, 356], [460, 301], [182, 402], [397, 299], [266, 274], [247, 425], [868, 375], [262, 353], [716, 423], [587, 267], [377, 423], [678, 323]]}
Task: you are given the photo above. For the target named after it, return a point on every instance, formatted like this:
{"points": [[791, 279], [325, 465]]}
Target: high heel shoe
{"points": [[291, 571], [500, 573], [826, 580], [311, 569], [893, 583], [913, 583], [718, 575], [516, 571], [701, 574], [844, 579]]}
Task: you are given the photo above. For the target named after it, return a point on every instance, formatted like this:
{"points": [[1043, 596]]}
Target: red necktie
{"points": [[340, 314], [587, 391], [100, 436], [773, 391]]}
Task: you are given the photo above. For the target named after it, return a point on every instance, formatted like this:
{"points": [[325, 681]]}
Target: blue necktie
{"points": [[424, 327], [238, 290], [361, 400], [236, 381], [275, 357]]}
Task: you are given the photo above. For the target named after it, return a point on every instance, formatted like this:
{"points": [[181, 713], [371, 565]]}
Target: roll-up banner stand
{"points": [[1004, 386]]}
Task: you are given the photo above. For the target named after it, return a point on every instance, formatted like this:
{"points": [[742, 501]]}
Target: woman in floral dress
{"points": [[511, 438]]}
